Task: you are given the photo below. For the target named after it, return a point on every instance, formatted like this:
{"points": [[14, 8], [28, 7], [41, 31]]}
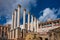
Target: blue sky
{"points": [[41, 9]]}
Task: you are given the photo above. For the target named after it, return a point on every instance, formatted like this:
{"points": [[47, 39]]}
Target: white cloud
{"points": [[48, 14], [58, 13], [8, 22], [7, 6]]}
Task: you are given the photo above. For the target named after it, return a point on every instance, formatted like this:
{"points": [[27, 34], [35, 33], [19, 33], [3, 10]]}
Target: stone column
{"points": [[13, 34], [18, 16], [24, 18], [15, 18], [37, 25], [12, 27], [23, 28], [10, 35], [16, 33], [29, 21], [32, 23]]}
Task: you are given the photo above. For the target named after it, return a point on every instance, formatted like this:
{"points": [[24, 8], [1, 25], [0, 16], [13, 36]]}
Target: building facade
{"points": [[48, 30], [4, 31]]}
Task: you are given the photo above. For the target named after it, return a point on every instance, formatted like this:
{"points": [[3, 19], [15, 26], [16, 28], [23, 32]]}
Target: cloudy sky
{"points": [[41, 9]]}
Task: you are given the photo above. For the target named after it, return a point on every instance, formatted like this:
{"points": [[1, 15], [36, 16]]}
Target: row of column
{"points": [[33, 26], [16, 20], [15, 23]]}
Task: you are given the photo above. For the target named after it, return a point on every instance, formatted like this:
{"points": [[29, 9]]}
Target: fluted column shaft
{"points": [[37, 25], [32, 23], [18, 20], [10, 34], [18, 16], [24, 18], [16, 33], [12, 27], [15, 22], [15, 18], [28, 21]]}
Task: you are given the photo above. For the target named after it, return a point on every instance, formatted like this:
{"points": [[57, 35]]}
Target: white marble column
{"points": [[29, 21], [15, 18], [10, 34], [24, 18], [32, 23], [37, 25], [15, 21], [12, 27], [13, 34], [16, 33], [18, 16]]}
